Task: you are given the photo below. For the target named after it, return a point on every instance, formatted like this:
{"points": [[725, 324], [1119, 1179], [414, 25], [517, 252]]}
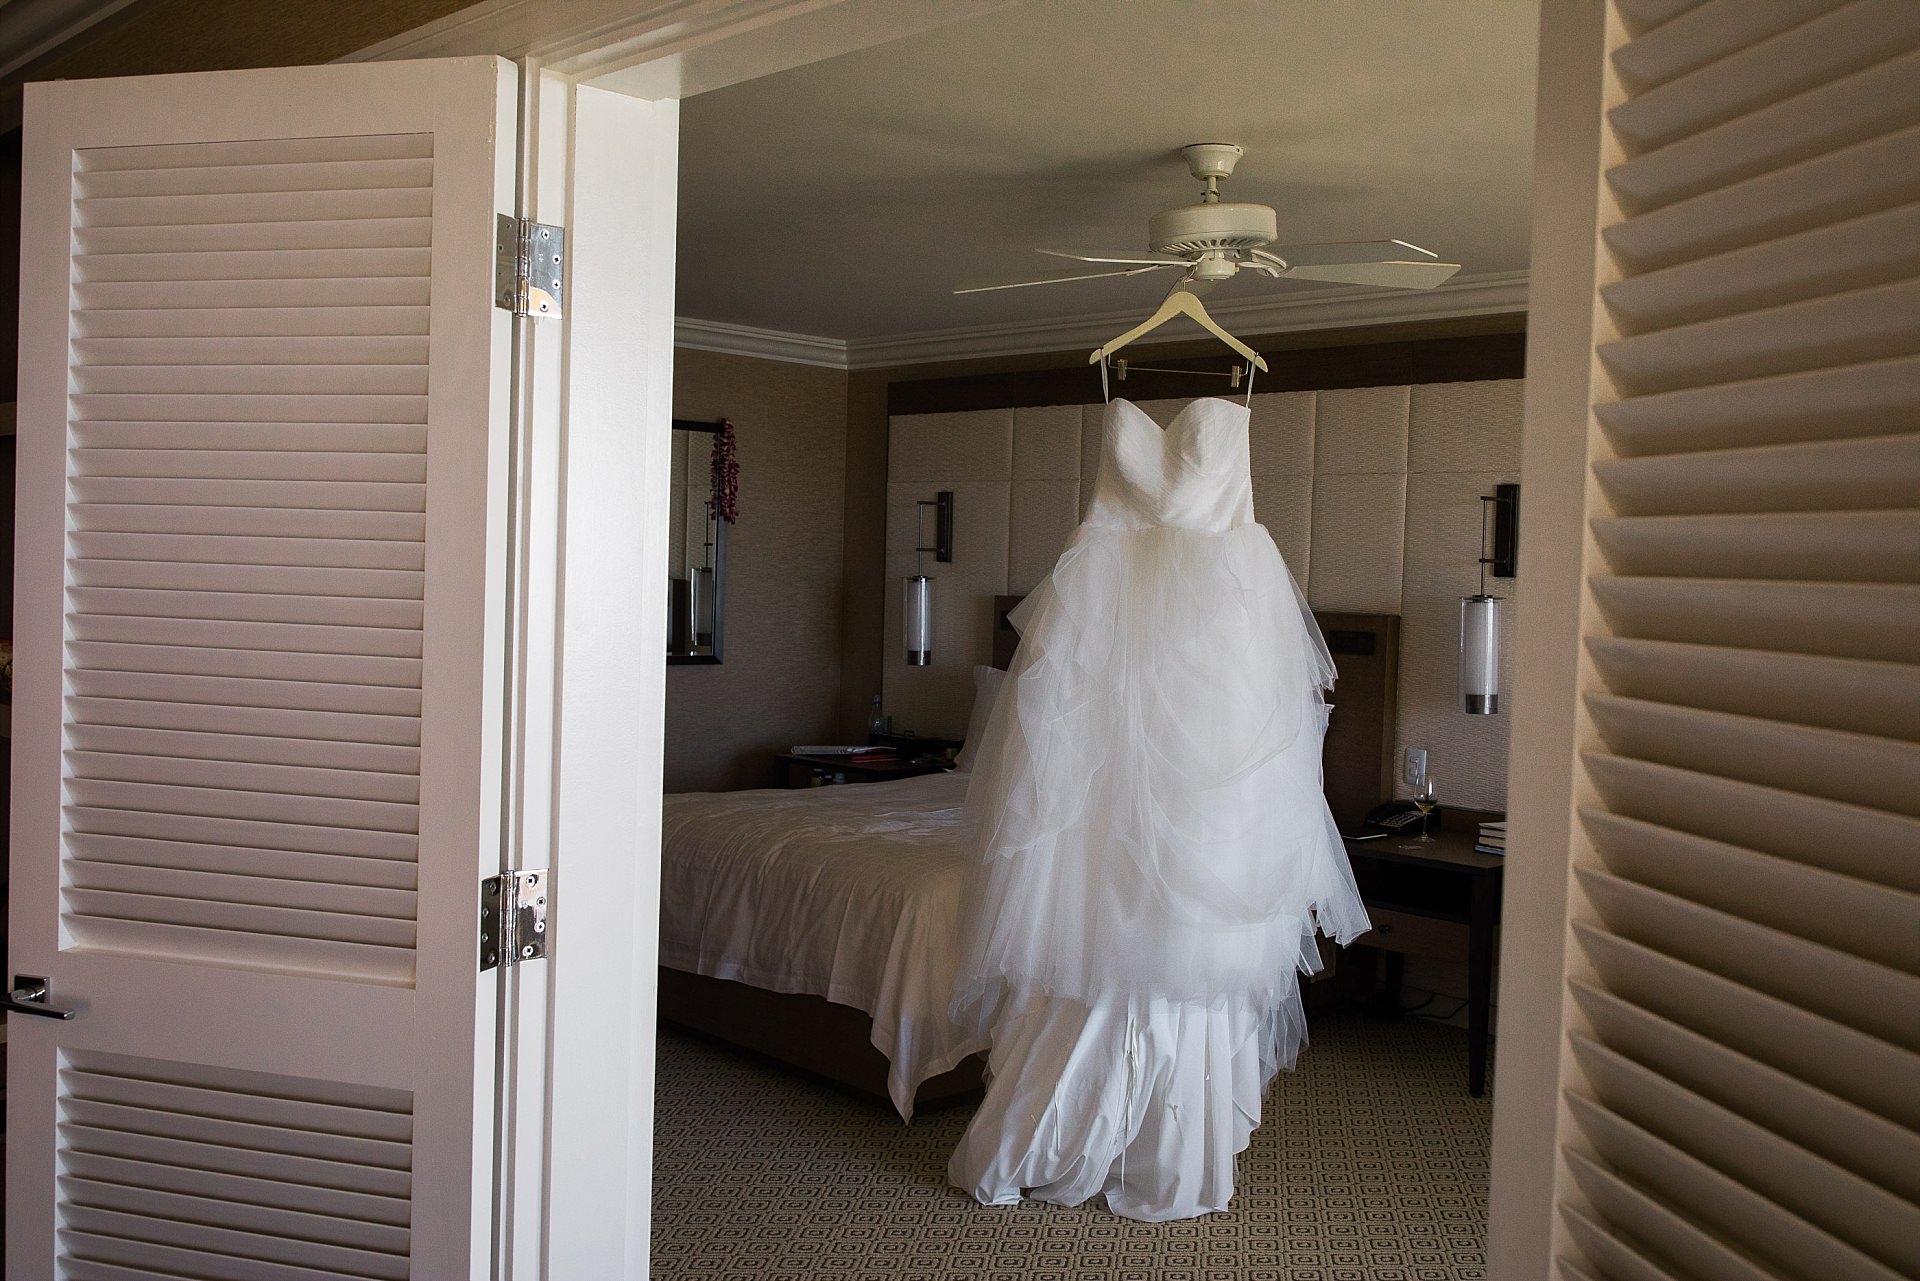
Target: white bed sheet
{"points": [[851, 893]]}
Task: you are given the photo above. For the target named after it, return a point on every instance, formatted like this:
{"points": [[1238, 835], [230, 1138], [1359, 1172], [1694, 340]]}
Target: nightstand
{"points": [[1440, 900], [801, 771]]}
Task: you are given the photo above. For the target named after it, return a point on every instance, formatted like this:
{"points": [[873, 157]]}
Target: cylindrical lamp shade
{"points": [[916, 620], [1480, 654]]}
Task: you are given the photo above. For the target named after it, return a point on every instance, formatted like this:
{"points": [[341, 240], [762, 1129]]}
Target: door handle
{"points": [[29, 996]]}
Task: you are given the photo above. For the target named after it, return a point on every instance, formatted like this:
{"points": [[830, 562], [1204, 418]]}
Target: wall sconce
{"points": [[916, 614], [1480, 613]]}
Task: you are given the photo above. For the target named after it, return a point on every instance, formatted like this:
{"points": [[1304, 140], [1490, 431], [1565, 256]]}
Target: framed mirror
{"points": [[697, 548]]}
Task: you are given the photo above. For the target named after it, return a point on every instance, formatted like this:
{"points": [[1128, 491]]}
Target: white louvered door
{"points": [[257, 727], [1741, 1058]]}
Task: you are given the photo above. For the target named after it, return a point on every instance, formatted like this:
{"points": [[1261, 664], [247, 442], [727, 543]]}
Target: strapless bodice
{"points": [[1193, 475]]}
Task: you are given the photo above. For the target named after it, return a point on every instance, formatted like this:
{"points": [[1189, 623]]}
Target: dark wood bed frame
{"points": [[832, 1041]]}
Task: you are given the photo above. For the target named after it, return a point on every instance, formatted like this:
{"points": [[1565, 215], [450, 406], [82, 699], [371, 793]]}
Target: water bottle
{"points": [[876, 723]]}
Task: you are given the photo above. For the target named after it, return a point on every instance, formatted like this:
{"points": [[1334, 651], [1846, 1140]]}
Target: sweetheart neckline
{"points": [[1185, 409]]}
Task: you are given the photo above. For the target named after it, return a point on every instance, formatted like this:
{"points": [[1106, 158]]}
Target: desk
{"points": [[1436, 900], [800, 771]]}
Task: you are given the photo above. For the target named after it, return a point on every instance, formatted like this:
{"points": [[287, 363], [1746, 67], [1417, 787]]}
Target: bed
{"points": [[818, 925]]}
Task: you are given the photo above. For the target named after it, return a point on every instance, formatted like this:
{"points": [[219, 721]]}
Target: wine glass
{"points": [[1424, 799]]}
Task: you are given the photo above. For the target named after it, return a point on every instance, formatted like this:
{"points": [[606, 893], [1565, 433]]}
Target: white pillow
{"points": [[986, 688]]}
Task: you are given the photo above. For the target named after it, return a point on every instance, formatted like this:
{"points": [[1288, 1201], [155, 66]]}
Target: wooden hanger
{"points": [[1181, 301]]}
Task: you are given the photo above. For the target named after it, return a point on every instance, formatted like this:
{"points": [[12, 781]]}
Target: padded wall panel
{"points": [[1281, 435], [1359, 535], [1046, 443], [1361, 429], [943, 448], [1284, 504], [1465, 427], [1043, 515]]}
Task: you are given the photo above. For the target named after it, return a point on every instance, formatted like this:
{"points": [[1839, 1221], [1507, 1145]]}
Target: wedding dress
{"points": [[1154, 852]]}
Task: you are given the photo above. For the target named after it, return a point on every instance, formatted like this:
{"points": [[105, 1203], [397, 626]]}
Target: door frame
{"points": [[599, 127], [589, 55]]}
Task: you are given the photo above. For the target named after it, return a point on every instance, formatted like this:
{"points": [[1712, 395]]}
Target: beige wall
{"points": [[779, 683]]}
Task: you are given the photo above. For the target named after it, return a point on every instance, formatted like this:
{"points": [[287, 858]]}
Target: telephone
{"points": [[1398, 818]]}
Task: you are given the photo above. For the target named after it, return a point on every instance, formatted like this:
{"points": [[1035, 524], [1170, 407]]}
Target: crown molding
{"points": [[1491, 294], [763, 344]]}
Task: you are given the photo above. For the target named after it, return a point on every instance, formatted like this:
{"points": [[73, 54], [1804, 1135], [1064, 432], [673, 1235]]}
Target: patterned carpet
{"points": [[1371, 1166]]}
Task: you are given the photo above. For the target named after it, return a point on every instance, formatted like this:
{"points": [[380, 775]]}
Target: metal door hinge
{"points": [[529, 262], [513, 918]]}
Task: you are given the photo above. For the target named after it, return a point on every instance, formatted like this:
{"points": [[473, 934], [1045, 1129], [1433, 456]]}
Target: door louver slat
{"points": [[1840, 912], [1791, 269], [1617, 1259], [1724, 1205], [1842, 1205], [321, 1173], [1689, 40], [1836, 546], [1846, 1134], [1632, 1214], [290, 865], [158, 1204], [270, 722], [1862, 474], [1879, 1002], [1830, 404], [1875, 621], [1881, 699], [234, 521], [1855, 768], [295, 349], [244, 464], [1773, 67], [368, 321], [1856, 107], [338, 233], [1874, 323], [1869, 176], [241, 549], [369, 758]]}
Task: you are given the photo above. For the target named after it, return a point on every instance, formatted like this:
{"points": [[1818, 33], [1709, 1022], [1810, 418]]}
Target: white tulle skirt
{"points": [[1154, 857]]}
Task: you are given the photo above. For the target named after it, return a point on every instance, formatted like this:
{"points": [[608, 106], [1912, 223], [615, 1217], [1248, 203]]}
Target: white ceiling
{"points": [[846, 198]]}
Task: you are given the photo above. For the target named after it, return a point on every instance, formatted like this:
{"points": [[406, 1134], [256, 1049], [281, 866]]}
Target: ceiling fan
{"points": [[1215, 240]]}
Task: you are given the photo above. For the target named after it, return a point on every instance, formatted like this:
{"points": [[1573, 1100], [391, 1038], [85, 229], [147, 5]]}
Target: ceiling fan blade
{"points": [[1341, 251], [1053, 278], [1137, 256], [1387, 275]]}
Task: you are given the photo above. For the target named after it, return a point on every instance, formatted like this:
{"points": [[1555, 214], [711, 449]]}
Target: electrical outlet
{"points": [[1413, 766]]}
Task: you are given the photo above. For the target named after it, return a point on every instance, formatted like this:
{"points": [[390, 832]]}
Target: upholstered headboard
{"points": [[1358, 758]]}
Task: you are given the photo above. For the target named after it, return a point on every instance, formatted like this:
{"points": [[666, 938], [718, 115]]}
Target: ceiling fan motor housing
{"points": [[1199, 229]]}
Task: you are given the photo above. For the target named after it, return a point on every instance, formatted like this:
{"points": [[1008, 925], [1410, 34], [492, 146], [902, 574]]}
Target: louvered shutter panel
{"points": [[1746, 1099], [259, 680], [247, 498]]}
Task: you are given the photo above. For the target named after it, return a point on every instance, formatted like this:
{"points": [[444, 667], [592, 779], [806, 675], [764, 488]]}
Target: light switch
{"points": [[1413, 767]]}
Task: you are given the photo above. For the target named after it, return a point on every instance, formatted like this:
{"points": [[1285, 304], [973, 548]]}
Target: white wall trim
{"points": [[657, 49], [1491, 294], [766, 344]]}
